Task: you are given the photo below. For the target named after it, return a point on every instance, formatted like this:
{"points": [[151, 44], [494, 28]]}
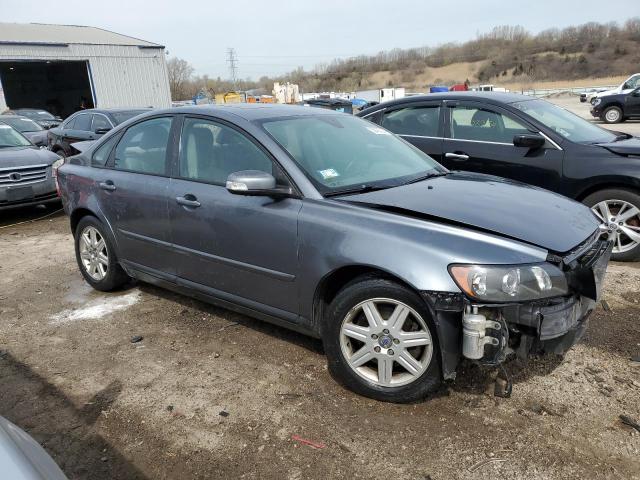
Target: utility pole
{"points": [[232, 60]]}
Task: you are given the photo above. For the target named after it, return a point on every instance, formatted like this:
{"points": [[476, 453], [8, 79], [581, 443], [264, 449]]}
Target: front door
{"points": [[133, 195], [632, 103], [242, 247], [480, 139], [419, 124]]}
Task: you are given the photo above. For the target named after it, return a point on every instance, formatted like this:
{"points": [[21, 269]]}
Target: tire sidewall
{"points": [[114, 276], [617, 194], [353, 294]]}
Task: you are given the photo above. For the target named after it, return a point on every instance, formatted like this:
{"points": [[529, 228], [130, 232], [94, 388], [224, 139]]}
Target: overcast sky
{"points": [[277, 36]]}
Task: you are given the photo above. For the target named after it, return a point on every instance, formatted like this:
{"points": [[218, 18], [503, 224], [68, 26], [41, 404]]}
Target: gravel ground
{"points": [[212, 394]]}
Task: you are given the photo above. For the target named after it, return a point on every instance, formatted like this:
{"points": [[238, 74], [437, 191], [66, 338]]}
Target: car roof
{"points": [[253, 111], [487, 97], [113, 110]]}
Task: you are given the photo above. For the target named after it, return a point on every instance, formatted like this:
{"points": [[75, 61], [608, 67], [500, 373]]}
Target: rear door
{"points": [[242, 246], [420, 124], [479, 138], [133, 195]]}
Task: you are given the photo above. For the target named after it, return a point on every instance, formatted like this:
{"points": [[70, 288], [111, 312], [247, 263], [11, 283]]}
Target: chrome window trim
{"points": [[418, 136]]}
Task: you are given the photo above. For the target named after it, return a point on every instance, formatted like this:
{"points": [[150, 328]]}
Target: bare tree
{"points": [[180, 72]]}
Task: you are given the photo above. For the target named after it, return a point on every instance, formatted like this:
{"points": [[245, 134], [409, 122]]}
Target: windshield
{"points": [[37, 114], [22, 124], [121, 117], [341, 153], [565, 123], [11, 138]]}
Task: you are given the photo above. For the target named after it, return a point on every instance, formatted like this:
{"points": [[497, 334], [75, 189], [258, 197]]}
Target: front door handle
{"points": [[188, 201], [460, 157], [108, 186]]}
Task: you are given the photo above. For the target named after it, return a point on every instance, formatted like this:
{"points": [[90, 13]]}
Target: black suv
{"points": [[618, 107], [531, 141], [86, 125]]}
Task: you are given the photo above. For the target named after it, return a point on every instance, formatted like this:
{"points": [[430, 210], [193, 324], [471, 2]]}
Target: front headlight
{"points": [[509, 283], [597, 102]]}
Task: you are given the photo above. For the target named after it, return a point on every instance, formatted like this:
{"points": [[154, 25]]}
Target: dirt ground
{"points": [[212, 394]]}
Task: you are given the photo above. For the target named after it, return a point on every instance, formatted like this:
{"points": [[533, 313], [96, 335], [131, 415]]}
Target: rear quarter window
{"points": [[101, 155]]}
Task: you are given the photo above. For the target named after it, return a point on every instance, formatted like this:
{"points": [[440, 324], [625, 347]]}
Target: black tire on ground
{"points": [[629, 196], [115, 276], [612, 114], [360, 290]]}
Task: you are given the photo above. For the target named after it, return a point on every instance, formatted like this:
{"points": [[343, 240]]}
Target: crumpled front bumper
{"points": [[548, 326]]}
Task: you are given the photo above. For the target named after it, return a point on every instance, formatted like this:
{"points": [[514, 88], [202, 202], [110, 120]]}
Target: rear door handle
{"points": [[108, 186], [188, 201], [457, 156]]}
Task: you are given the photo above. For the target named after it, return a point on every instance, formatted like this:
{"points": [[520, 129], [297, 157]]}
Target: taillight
{"points": [[54, 173]]}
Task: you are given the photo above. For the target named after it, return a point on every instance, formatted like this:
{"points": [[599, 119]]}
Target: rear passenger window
{"points": [[210, 152], [70, 124], [143, 147], [100, 122], [419, 121], [83, 122], [101, 155], [483, 125]]}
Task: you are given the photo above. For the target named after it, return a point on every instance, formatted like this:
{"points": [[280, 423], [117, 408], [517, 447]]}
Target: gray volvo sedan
{"points": [[332, 226]]}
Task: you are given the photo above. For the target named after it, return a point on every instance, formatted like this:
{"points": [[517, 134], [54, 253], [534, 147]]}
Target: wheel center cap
{"points": [[385, 341], [613, 226]]}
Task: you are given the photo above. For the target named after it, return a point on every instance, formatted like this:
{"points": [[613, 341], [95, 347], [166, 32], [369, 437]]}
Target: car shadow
{"points": [[312, 344], [67, 432], [26, 214]]}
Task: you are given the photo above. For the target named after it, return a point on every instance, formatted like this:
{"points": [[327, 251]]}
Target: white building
{"points": [[61, 67]]}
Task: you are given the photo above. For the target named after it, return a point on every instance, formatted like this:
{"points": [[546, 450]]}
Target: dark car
{"points": [[45, 119], [26, 171], [618, 107], [532, 141], [27, 127], [336, 104], [329, 225], [87, 125]]}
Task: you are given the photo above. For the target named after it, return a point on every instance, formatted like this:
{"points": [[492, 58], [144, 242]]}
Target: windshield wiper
{"points": [[425, 177], [361, 189]]}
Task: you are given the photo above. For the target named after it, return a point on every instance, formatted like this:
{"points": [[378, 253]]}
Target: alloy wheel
{"points": [[386, 342], [93, 253], [622, 221]]}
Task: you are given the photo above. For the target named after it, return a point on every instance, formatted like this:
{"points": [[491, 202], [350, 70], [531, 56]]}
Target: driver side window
{"points": [[483, 125]]}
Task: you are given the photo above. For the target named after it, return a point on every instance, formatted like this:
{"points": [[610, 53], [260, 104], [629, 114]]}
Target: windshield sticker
{"points": [[328, 173], [378, 131]]}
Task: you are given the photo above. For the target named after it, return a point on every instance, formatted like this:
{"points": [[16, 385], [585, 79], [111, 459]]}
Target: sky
{"points": [[278, 36]]}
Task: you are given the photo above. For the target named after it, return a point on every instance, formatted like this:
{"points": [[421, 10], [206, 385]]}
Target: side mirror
{"points": [[255, 182], [529, 140], [102, 131]]}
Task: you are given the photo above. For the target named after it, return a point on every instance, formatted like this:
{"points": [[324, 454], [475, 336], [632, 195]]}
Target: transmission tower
{"points": [[232, 60]]}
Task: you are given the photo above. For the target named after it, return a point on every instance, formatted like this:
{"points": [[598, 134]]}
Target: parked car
{"points": [[22, 458], [627, 86], [532, 141], [26, 171], [336, 104], [329, 225], [27, 127], [591, 95], [617, 108], [45, 119], [87, 125]]}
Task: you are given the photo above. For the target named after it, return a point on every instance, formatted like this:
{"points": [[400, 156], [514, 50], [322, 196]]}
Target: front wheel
{"points": [[612, 115], [619, 211], [380, 341]]}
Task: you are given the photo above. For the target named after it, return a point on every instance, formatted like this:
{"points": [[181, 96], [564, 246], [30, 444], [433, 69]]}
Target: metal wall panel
{"points": [[122, 76]]}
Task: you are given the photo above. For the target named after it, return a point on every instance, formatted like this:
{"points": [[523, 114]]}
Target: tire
{"points": [[612, 114], [619, 201], [108, 275], [348, 310]]}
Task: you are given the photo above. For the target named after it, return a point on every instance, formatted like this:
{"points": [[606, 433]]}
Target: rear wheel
{"points": [[380, 341], [612, 115], [96, 256], [619, 211]]}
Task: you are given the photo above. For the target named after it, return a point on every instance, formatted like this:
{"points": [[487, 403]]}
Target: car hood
{"points": [[25, 156], [629, 146], [491, 204]]}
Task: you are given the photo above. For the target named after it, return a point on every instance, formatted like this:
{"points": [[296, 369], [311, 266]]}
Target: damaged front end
{"points": [[519, 311]]}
